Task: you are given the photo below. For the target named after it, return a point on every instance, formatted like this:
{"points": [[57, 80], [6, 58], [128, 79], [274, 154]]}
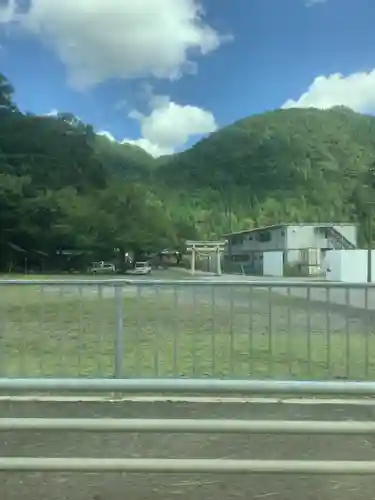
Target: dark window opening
{"points": [[264, 237], [240, 258], [236, 240]]}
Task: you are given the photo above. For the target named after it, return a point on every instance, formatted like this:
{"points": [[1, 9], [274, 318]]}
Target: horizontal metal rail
{"points": [[159, 465], [190, 283], [192, 386], [186, 425]]}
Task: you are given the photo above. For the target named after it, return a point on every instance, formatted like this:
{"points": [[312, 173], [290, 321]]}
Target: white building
{"points": [[298, 242]]}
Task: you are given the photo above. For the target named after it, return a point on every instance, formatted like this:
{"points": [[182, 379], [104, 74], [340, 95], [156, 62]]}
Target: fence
{"points": [[185, 337], [232, 426], [187, 328]]}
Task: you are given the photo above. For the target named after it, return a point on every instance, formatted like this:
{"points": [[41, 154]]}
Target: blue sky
{"points": [[162, 73]]}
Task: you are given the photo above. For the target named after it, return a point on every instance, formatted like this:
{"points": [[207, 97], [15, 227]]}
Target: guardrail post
{"points": [[119, 327]]}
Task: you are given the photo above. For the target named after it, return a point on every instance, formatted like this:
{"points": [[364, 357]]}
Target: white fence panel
{"points": [[348, 266], [273, 264]]}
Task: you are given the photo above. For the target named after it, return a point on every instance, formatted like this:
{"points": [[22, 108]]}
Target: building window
{"points": [[237, 239], [240, 258], [264, 236]]}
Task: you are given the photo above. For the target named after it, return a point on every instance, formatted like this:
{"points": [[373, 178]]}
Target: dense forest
{"points": [[62, 187]]}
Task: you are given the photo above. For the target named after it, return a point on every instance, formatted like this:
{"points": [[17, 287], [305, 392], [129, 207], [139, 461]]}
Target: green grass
{"points": [[170, 333]]}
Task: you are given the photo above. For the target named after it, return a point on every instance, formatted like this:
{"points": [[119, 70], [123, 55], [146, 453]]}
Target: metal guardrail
{"points": [[217, 466], [187, 328], [200, 466], [190, 386], [229, 426], [207, 282]]}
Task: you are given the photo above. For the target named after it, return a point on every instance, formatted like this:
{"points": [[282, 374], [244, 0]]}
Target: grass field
{"points": [[180, 331], [183, 331]]}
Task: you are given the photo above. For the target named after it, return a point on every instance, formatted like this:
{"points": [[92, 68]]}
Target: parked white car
{"points": [[102, 267], [142, 268]]}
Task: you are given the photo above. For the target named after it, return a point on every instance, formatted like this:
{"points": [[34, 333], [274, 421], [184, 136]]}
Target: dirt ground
{"points": [[53, 486]]}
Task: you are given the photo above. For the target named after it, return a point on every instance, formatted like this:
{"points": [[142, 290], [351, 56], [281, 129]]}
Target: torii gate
{"points": [[206, 247]]}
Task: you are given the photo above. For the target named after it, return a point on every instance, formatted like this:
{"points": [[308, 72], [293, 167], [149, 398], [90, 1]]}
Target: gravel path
{"points": [[349, 297]]}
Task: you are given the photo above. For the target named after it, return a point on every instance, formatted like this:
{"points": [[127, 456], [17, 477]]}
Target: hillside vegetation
{"points": [[64, 187], [286, 165]]}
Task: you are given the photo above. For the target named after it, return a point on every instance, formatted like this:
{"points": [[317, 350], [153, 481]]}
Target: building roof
{"points": [[253, 230], [286, 224]]}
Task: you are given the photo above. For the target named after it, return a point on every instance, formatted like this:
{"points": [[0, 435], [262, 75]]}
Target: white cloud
{"points": [[153, 149], [106, 134], [102, 39], [52, 112], [7, 11], [169, 125], [356, 91]]}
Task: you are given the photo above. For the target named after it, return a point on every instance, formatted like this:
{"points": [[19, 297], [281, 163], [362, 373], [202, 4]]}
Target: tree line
{"points": [[66, 191]]}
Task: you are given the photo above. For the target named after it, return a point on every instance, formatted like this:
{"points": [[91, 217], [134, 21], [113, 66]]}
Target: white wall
{"points": [[349, 266], [308, 236], [273, 264], [301, 237], [354, 266], [350, 231], [332, 265]]}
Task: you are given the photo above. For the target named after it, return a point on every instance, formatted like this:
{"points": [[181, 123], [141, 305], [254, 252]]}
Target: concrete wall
{"points": [[273, 264], [348, 266], [310, 236], [302, 237], [332, 265]]}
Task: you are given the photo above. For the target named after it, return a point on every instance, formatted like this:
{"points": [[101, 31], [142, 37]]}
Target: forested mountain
{"points": [[64, 187], [297, 164]]}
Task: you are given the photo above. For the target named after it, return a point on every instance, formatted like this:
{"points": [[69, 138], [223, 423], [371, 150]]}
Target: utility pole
{"points": [[229, 210], [370, 205]]}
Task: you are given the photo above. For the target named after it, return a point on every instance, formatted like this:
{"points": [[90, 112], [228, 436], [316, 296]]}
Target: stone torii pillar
{"points": [[218, 261], [193, 260]]}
